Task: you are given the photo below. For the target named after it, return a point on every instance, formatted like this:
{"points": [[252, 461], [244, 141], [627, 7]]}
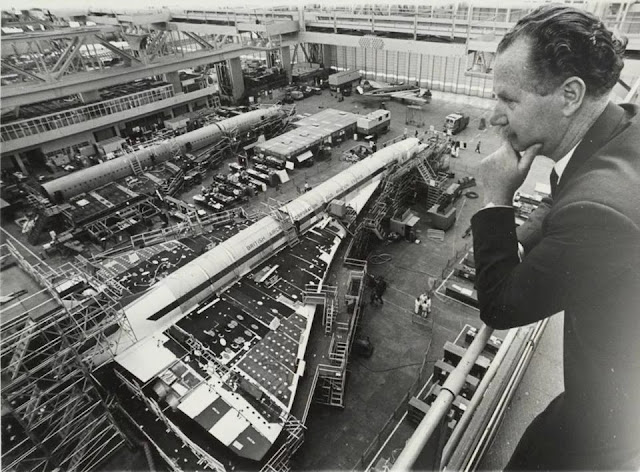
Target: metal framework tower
{"points": [[55, 414]]}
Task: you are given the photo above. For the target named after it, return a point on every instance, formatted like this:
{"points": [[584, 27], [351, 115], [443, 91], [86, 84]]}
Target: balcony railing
{"points": [[53, 121]]}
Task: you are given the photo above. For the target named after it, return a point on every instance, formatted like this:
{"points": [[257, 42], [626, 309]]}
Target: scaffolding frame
{"points": [[60, 415], [135, 213], [330, 379]]}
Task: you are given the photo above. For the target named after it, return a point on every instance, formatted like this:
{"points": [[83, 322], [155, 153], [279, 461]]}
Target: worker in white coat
{"points": [[422, 305]]}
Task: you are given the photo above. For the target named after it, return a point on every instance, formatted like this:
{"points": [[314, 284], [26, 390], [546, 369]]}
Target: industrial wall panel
{"points": [[392, 65], [341, 57], [381, 64], [459, 73], [370, 63], [425, 72], [333, 54], [350, 55], [439, 73], [436, 73], [402, 66], [359, 59], [413, 61], [449, 74]]}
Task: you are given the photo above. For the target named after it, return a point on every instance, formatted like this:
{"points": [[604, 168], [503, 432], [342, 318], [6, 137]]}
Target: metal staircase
{"points": [[330, 387], [280, 461], [338, 354], [425, 170], [329, 316], [174, 148], [172, 185], [328, 297], [435, 191], [216, 153], [290, 231], [136, 166], [349, 216]]}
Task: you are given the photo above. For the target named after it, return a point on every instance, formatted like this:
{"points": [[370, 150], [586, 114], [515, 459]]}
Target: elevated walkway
{"points": [[541, 383]]}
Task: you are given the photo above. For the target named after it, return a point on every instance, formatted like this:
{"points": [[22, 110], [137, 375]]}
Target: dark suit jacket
{"points": [[584, 258]]}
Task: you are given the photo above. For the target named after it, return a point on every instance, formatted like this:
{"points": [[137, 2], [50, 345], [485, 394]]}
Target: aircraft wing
{"points": [[409, 97]]}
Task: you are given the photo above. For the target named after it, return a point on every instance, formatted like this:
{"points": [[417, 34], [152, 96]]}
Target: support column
{"points": [[285, 58], [174, 79], [90, 96], [17, 158], [327, 55], [234, 66]]}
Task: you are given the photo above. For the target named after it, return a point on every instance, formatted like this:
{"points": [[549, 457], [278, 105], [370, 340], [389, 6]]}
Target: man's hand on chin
{"points": [[503, 172]]}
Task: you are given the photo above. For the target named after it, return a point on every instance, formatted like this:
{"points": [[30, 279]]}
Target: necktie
{"points": [[553, 181]]}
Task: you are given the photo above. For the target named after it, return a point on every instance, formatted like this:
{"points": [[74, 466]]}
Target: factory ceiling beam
{"points": [[198, 39], [200, 28], [67, 57], [22, 94], [126, 56], [56, 34], [24, 73], [156, 45]]}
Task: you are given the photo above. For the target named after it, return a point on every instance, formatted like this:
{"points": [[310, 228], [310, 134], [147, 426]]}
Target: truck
{"points": [[343, 81], [456, 122]]}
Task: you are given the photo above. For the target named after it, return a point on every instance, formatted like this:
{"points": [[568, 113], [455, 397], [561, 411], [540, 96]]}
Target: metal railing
{"points": [[54, 121], [460, 21], [234, 16], [440, 407]]}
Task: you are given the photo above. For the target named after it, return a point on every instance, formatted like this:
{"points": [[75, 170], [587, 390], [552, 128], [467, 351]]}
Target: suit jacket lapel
{"points": [[606, 126]]}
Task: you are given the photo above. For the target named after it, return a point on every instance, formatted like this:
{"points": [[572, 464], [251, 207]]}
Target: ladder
{"points": [[337, 395], [339, 353], [136, 167], [331, 385], [174, 147], [330, 316], [287, 226], [350, 216], [435, 191], [425, 172]]}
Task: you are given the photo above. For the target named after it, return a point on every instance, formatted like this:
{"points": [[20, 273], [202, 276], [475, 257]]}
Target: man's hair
{"points": [[568, 42]]}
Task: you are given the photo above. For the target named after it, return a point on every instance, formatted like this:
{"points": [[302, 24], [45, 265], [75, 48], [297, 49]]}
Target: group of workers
{"points": [[422, 306]]}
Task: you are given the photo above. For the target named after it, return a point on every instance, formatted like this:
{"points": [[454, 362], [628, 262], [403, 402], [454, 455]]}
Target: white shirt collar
{"points": [[561, 165]]}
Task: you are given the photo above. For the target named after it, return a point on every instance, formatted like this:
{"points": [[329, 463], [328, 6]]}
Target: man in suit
{"points": [[552, 76]]}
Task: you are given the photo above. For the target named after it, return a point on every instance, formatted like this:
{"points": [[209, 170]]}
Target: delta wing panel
{"points": [[179, 292], [159, 308]]}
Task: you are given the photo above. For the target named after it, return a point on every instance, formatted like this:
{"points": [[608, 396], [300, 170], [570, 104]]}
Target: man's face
{"points": [[525, 118]]}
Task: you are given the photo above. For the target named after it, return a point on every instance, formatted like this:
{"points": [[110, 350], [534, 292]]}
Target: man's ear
{"points": [[573, 92]]}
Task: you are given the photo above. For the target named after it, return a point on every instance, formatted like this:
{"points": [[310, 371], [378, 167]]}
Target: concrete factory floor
{"points": [[336, 439]]}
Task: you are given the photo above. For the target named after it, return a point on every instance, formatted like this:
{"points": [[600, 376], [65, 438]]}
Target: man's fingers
{"points": [[527, 157]]}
